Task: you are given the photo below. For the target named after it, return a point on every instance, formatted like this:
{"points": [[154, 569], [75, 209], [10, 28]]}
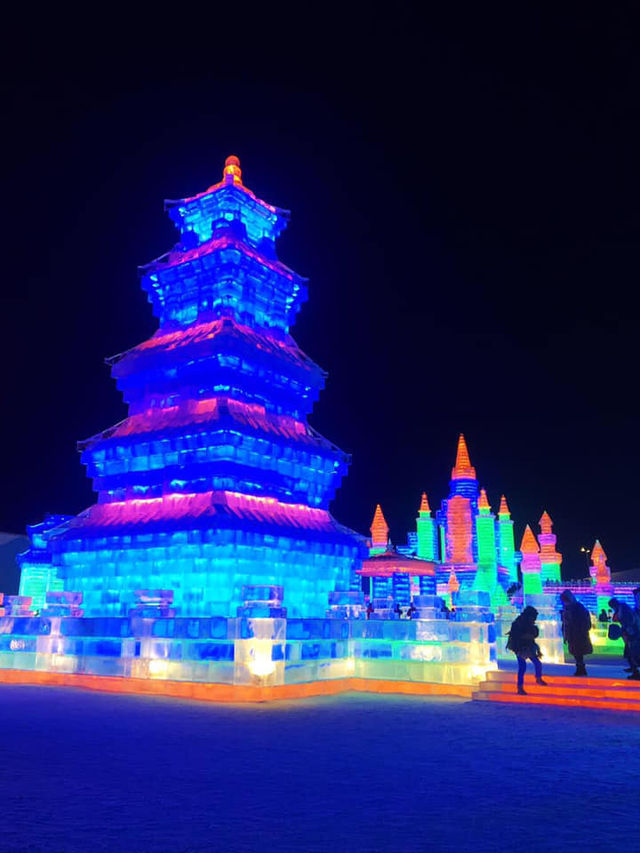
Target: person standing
{"points": [[630, 630], [522, 642], [576, 622]]}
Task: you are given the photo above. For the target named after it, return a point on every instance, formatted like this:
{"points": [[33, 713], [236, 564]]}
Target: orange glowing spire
{"points": [[504, 507], [463, 469], [379, 529], [232, 173], [529, 544], [599, 570], [454, 584], [597, 554], [424, 504], [545, 522], [483, 500]]}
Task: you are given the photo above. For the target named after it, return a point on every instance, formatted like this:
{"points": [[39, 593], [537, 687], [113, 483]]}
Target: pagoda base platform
{"points": [[230, 693]]}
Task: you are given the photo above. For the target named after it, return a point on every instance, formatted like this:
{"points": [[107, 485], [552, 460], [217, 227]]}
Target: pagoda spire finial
{"points": [[424, 504], [232, 173], [463, 469], [483, 500]]}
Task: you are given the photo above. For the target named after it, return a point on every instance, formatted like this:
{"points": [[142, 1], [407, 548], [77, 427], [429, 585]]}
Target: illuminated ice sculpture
{"points": [[215, 480], [210, 557]]}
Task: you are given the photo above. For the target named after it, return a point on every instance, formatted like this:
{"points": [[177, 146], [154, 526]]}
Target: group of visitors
{"points": [[400, 612], [576, 623], [628, 628], [410, 610]]}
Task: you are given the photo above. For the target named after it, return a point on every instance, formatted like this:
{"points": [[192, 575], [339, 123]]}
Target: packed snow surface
{"points": [[85, 771]]}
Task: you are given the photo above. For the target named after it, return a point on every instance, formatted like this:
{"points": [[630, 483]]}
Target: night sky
{"points": [[465, 202]]}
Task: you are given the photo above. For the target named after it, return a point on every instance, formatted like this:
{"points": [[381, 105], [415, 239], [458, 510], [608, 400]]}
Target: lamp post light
{"points": [[587, 554]]}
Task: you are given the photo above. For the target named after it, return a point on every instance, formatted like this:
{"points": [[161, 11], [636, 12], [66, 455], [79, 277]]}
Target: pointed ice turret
{"points": [[545, 523], [505, 541], [483, 502], [529, 544], [427, 531], [463, 474], [453, 584], [599, 570], [463, 469], [550, 559], [379, 532], [486, 578], [456, 518], [530, 566]]}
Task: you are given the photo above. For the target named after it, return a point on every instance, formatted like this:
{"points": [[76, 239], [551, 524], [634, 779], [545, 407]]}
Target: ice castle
{"points": [[466, 546], [210, 564], [210, 561]]}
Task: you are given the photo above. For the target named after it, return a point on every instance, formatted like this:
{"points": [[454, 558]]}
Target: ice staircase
{"points": [[617, 694]]}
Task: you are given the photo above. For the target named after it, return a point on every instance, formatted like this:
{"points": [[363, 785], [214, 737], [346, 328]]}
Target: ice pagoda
{"points": [[210, 566], [215, 480]]}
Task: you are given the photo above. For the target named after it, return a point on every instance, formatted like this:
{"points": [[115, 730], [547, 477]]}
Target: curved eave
{"points": [[387, 564], [98, 522], [174, 259], [170, 203]]}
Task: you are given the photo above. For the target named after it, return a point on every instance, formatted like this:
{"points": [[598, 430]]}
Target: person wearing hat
{"points": [[576, 623], [522, 642], [629, 631]]}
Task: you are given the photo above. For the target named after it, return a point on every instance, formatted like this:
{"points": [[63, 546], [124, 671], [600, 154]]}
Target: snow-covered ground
{"points": [[84, 771]]}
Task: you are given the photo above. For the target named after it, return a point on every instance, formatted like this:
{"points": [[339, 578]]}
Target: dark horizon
{"points": [[464, 201]]}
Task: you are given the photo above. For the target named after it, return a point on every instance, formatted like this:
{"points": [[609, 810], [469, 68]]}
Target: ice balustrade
{"points": [[261, 645]]}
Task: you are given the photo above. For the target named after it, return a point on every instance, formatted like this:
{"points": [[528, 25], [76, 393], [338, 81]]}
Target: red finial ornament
{"points": [[232, 173]]}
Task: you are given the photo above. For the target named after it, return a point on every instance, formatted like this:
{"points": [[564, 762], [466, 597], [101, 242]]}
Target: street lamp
{"points": [[587, 554]]}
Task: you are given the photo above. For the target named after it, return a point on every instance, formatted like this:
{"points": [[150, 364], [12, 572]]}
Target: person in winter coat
{"points": [[522, 642], [576, 622], [630, 628]]}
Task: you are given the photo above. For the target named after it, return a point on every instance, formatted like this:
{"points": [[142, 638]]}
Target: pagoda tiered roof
{"points": [[206, 509], [178, 256], [203, 413], [213, 331], [182, 211]]}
